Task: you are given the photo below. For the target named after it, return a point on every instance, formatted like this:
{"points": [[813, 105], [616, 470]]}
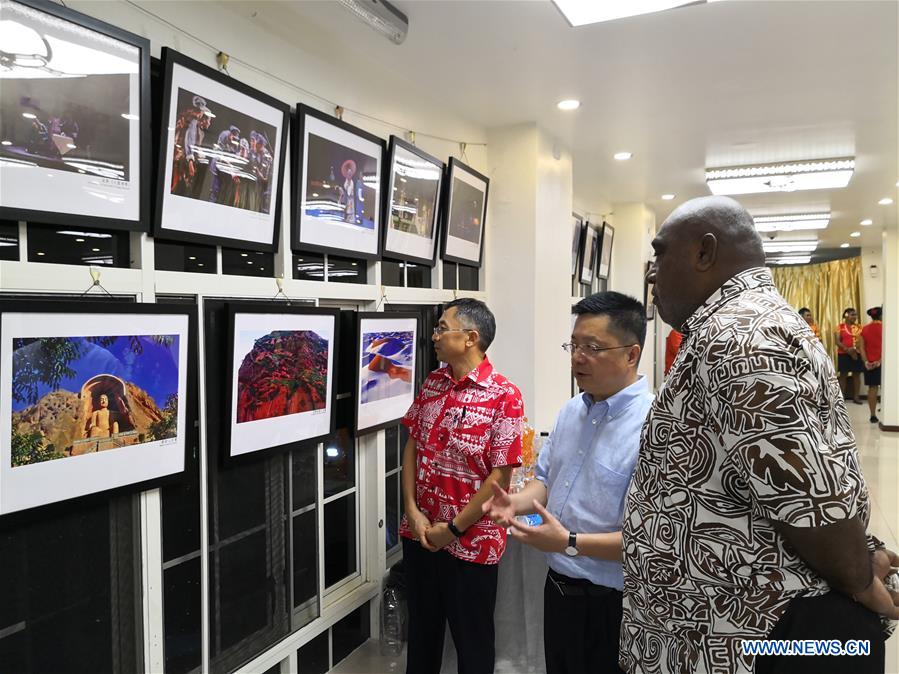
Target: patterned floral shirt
{"points": [[463, 430], [748, 428]]}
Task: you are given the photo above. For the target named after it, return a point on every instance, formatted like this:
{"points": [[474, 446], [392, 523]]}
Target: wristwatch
{"points": [[572, 550]]}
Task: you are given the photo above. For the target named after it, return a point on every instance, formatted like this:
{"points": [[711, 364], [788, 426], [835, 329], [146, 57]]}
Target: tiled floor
{"points": [[880, 461]]}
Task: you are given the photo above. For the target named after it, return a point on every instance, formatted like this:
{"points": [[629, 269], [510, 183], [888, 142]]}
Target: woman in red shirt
{"points": [[872, 350], [849, 360]]}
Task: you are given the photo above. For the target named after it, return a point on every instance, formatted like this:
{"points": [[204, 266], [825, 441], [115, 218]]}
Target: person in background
{"points": [[464, 437], [806, 314], [672, 344], [582, 477], [849, 360], [872, 349]]}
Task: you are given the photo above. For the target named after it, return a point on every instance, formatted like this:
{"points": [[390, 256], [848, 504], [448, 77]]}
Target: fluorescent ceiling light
{"points": [[886, 201], [804, 246], [623, 156], [668, 197], [855, 235], [866, 222], [791, 259], [568, 104], [844, 245], [791, 222], [785, 177], [583, 12]]}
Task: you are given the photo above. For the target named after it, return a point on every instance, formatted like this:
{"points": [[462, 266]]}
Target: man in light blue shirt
{"points": [[583, 474]]}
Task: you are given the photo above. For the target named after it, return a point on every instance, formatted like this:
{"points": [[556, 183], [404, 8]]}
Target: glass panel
{"points": [[340, 539], [180, 519], [247, 263], [70, 245], [391, 273], [392, 454], [309, 267], [312, 658], [182, 257], [339, 462], [391, 491], [241, 499], [418, 275], [449, 276], [350, 633], [9, 240], [305, 476], [305, 559], [468, 278], [244, 589], [181, 599], [346, 270]]}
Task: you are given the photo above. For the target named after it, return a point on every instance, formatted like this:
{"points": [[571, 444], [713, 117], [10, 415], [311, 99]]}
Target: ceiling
{"points": [[721, 84]]}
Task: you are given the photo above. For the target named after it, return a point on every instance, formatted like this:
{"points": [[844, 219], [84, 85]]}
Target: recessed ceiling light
{"points": [[6, 142], [200, 264], [668, 197], [96, 250], [79, 240], [855, 235], [192, 257], [791, 222], [244, 254], [623, 156], [886, 201], [785, 177], [583, 12], [40, 253], [844, 245], [568, 104], [866, 222]]}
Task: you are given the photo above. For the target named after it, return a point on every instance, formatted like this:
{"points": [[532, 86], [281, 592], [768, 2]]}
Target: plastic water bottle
{"points": [[391, 622], [532, 520]]}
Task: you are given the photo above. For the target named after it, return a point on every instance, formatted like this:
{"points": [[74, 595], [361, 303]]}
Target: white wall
{"points": [[890, 385], [872, 288]]}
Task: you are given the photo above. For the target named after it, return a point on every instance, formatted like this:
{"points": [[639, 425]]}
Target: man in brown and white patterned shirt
{"points": [[747, 514]]}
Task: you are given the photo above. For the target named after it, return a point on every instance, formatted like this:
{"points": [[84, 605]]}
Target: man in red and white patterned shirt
{"points": [[464, 434]]}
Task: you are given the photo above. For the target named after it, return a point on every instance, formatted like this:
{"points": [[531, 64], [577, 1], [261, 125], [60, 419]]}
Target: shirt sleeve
{"points": [[504, 448], [779, 431]]}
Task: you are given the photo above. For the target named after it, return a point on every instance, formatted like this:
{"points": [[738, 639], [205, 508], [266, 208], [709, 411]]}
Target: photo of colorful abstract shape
{"points": [[285, 372], [80, 395], [387, 362], [341, 183]]}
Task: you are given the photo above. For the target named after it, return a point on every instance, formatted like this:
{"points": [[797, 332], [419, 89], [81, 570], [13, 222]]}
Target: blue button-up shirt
{"points": [[586, 466]]}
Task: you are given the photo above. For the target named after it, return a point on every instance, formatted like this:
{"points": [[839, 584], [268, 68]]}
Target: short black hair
{"points": [[804, 310], [627, 316], [847, 310], [476, 315], [876, 313]]}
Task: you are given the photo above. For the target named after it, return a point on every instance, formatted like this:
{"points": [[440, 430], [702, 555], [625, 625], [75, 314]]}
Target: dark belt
{"points": [[578, 587]]}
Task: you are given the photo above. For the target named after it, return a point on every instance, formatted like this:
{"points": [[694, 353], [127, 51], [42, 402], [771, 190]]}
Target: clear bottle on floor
{"points": [[391, 622]]}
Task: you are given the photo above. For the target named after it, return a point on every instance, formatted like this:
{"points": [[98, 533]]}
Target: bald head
{"points": [[701, 245]]}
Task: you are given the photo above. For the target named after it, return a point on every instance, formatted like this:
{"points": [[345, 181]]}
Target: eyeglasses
{"points": [[591, 349], [439, 330]]}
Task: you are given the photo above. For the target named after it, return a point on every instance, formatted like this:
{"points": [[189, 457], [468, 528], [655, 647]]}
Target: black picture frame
{"points": [[369, 417], [315, 234], [648, 303], [274, 428], [77, 482], [132, 212], [454, 248], [589, 252], [389, 248], [185, 216], [604, 256], [577, 238]]}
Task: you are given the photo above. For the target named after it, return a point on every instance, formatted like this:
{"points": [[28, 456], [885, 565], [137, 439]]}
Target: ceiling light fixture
{"points": [[886, 201], [381, 16], [584, 12], [791, 222], [791, 259], [623, 156], [668, 197], [798, 246], [844, 245], [855, 235], [568, 104], [785, 177], [866, 222]]}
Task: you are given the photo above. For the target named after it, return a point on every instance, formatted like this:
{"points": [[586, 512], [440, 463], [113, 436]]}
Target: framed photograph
{"points": [[221, 159], [589, 249], [605, 251], [280, 387], [385, 380], [413, 197], [93, 397], [74, 119], [465, 209], [577, 235], [338, 186]]}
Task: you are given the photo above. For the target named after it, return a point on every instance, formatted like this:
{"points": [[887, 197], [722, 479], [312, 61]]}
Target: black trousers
{"points": [[831, 616], [581, 627], [444, 589]]}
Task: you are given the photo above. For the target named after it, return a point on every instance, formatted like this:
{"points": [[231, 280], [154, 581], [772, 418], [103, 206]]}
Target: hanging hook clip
{"points": [[95, 278]]}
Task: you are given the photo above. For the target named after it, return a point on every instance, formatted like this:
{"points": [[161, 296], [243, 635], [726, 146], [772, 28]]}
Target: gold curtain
{"points": [[826, 289]]}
